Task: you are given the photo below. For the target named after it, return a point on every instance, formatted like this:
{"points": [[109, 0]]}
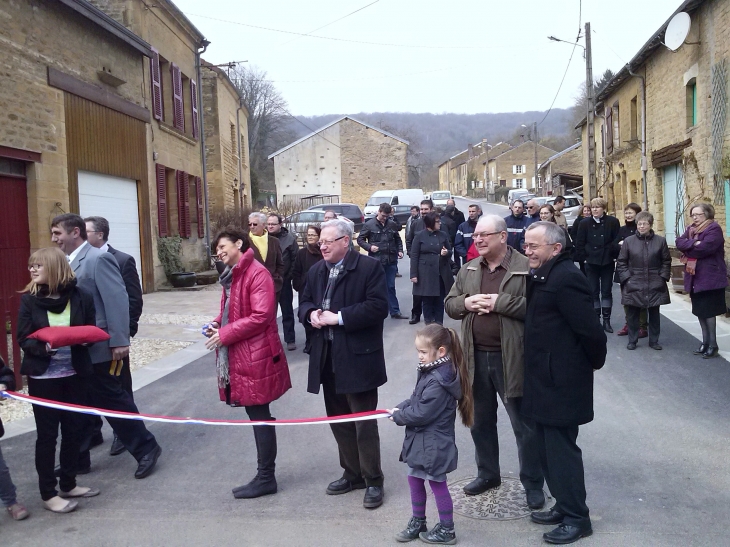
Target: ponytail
{"points": [[466, 403]]}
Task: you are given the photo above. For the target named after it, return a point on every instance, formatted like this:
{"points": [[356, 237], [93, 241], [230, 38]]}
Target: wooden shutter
{"points": [[161, 200], [183, 203], [194, 104], [609, 130], [514, 170], [178, 118], [156, 85], [201, 213]]}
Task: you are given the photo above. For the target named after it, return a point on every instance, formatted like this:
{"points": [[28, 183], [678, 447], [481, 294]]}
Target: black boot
{"points": [[264, 482], [415, 318], [607, 319]]}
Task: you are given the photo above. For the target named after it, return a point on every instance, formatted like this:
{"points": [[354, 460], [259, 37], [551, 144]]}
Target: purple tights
{"points": [[440, 490]]}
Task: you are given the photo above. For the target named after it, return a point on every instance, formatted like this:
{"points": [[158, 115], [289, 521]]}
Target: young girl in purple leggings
{"points": [[429, 415]]}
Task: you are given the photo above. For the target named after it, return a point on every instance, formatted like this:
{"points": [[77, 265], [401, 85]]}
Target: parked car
{"points": [[440, 198], [298, 222], [349, 210], [516, 193], [404, 196]]}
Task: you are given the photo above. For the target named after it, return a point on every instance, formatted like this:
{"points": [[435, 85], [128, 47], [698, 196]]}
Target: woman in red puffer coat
{"points": [[252, 369]]}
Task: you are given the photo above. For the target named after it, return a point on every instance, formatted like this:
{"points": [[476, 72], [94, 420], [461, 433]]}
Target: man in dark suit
{"points": [[98, 273], [564, 344], [345, 300], [97, 232]]}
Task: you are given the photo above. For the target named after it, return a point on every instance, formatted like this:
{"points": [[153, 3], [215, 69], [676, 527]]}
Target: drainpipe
{"points": [[204, 176], [644, 166], [238, 138]]}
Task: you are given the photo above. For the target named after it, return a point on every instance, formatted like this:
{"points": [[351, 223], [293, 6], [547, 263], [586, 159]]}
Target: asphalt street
{"points": [[655, 462]]}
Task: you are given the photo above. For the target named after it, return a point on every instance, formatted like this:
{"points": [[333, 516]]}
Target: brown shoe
{"points": [[18, 511]]}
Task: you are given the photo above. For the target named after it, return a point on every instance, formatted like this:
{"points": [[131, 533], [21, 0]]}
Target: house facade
{"points": [[347, 159], [563, 173], [515, 168]]}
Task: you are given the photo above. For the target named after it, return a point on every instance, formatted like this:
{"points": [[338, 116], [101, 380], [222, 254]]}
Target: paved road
{"points": [[656, 464]]}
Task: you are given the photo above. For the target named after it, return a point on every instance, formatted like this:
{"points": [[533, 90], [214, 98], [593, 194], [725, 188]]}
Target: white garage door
{"points": [[115, 199]]}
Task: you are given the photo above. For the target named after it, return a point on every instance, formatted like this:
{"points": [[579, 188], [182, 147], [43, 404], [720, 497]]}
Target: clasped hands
{"points": [[480, 303], [319, 319]]}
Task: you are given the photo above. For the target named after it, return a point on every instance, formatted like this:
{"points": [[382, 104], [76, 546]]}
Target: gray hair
{"points": [[495, 221], [342, 227], [553, 232], [708, 209], [261, 216], [645, 216]]}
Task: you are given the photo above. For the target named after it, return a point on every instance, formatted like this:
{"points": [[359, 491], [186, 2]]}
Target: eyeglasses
{"points": [[253, 224], [36, 267], [483, 235], [323, 242], [697, 215], [535, 246], [643, 224]]}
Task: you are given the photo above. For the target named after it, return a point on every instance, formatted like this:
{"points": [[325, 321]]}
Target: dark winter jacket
{"points": [[289, 248], [449, 227], [306, 258], [8, 378], [515, 229], [564, 343], [574, 228], [428, 265], [416, 227], [710, 269], [594, 244], [409, 226], [361, 296], [463, 239], [385, 237], [643, 268], [33, 316], [625, 231], [458, 217], [429, 416]]}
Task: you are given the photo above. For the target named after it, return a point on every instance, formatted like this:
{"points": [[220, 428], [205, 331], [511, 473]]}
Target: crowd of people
{"points": [[529, 337]]}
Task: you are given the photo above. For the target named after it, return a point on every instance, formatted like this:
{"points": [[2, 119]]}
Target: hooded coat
{"points": [[257, 365], [429, 416]]}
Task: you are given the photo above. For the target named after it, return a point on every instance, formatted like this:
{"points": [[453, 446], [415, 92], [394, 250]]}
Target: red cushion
{"points": [[59, 337]]}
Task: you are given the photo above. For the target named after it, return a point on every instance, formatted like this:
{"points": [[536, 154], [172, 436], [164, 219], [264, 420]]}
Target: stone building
{"points": [[515, 168], [346, 159], [455, 172], [225, 123], [683, 118], [72, 97], [563, 172]]}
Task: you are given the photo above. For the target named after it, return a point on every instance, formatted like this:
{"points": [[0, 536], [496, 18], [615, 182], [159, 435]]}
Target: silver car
{"points": [[573, 204], [298, 222]]}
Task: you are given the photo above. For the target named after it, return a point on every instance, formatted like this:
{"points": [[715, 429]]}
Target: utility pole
{"points": [[590, 130], [534, 136], [485, 147]]}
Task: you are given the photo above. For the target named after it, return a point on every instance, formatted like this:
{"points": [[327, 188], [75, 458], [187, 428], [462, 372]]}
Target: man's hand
{"points": [[119, 353], [391, 411], [214, 340], [329, 318], [414, 280], [374, 248], [400, 255], [480, 303], [314, 319], [3, 387]]}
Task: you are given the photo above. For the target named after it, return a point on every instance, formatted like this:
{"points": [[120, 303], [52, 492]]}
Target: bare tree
{"points": [[268, 122]]}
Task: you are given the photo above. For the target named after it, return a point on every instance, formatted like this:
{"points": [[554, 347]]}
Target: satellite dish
{"points": [[677, 31]]}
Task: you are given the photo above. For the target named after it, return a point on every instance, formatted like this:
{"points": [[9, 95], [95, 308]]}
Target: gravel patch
{"points": [[142, 352], [173, 319]]}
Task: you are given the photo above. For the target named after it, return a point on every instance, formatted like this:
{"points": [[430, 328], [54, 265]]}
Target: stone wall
{"points": [[35, 36], [371, 161], [523, 155]]}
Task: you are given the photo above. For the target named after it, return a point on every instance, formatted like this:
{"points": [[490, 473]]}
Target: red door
{"points": [[14, 253]]}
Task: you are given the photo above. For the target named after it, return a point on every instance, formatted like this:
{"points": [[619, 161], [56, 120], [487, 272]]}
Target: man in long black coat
{"points": [[345, 300], [564, 344]]}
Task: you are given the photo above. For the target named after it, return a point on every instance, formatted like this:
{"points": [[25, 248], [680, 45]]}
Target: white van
{"points": [[440, 197], [407, 196]]}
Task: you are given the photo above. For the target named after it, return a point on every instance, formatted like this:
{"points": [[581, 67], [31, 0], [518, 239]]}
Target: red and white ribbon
{"points": [[357, 417]]}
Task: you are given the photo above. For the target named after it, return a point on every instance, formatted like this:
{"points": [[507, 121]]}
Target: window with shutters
{"points": [[156, 80], [609, 130], [616, 132], [199, 206], [517, 169], [183, 203], [195, 119], [691, 102], [166, 90], [234, 147], [634, 134], [518, 183], [187, 105], [178, 107], [162, 210], [244, 150]]}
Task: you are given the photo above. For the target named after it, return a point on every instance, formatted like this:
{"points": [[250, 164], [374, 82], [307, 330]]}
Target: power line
{"points": [[410, 46], [332, 22]]}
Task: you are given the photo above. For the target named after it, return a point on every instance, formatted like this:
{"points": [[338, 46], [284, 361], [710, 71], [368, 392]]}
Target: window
{"points": [[156, 79], [234, 144], [518, 183], [182, 180], [178, 105], [634, 120], [166, 90], [518, 169], [691, 94], [616, 134]]}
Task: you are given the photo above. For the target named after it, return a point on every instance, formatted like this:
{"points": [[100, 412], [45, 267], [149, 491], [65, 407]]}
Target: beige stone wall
{"points": [[523, 155], [34, 36], [370, 161]]}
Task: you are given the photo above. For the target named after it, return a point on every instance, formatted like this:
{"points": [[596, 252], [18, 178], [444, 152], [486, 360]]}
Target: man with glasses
{"points": [[566, 346], [289, 250], [533, 211], [488, 297], [345, 301], [380, 237], [266, 249]]}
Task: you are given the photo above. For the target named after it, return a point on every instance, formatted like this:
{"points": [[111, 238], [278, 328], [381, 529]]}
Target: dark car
{"points": [[349, 210]]}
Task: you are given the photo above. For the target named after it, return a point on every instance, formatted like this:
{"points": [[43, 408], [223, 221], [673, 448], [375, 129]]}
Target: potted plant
{"points": [[168, 251]]}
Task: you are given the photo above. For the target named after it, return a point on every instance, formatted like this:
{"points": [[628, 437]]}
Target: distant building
{"points": [[346, 159], [515, 168], [563, 172]]}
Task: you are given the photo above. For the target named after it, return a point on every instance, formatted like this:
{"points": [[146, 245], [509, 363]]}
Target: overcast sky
{"points": [[472, 56]]}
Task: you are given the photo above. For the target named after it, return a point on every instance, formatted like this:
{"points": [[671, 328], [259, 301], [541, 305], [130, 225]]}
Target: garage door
{"points": [[115, 199]]}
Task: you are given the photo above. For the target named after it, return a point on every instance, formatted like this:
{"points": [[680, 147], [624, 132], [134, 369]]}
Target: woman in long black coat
{"points": [[430, 268], [643, 268], [629, 229], [305, 259]]}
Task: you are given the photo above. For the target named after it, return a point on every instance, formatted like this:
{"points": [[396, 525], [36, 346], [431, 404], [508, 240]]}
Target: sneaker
{"points": [[439, 535], [414, 527], [624, 331], [643, 333]]}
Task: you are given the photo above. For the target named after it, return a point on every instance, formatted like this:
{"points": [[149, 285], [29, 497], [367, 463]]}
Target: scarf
{"points": [[696, 230], [262, 244], [55, 305], [329, 290], [221, 364], [425, 367]]}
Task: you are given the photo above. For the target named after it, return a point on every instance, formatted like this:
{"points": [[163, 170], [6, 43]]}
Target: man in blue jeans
{"points": [[380, 238]]}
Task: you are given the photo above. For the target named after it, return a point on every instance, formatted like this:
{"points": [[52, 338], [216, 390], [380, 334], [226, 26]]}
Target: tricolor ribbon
{"points": [[357, 417]]}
